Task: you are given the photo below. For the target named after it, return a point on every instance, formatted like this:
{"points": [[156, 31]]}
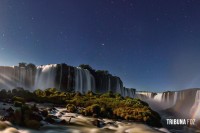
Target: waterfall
{"points": [[84, 81], [6, 77], [45, 77], [66, 78], [195, 110], [118, 86], [22, 77], [144, 95], [175, 98], [158, 97], [11, 77], [130, 92], [167, 99]]}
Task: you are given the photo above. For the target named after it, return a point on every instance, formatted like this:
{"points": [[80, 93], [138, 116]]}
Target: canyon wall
{"points": [[62, 77]]}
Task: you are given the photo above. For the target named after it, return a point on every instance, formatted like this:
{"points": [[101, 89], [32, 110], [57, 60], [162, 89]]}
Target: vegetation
{"points": [[71, 108], [107, 105]]}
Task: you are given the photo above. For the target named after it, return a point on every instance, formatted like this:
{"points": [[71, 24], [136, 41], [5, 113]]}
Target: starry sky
{"points": [[150, 44]]}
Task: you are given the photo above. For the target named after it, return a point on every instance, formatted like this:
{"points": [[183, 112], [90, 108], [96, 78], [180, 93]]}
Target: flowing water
{"points": [[45, 77], [84, 81]]}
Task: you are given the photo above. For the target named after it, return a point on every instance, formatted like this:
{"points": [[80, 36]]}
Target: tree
{"points": [[3, 93], [31, 66], [22, 64], [39, 93], [103, 72], [88, 67]]}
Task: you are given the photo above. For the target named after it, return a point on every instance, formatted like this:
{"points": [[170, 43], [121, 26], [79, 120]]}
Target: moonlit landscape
{"points": [[99, 66]]}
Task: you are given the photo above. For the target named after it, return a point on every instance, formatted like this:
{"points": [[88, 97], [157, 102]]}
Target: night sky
{"points": [[150, 44]]}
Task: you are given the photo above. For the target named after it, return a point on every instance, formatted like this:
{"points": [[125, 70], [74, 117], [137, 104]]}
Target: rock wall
{"points": [[62, 77]]}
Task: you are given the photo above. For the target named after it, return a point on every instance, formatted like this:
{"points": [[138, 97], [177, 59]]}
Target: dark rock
{"points": [[49, 119], [96, 122], [59, 115], [33, 124], [63, 122], [44, 113], [10, 110], [52, 109], [36, 116]]}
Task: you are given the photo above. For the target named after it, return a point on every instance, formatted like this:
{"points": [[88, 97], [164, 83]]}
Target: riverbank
{"points": [[78, 124]]}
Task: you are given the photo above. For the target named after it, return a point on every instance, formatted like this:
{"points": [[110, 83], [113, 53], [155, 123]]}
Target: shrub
{"points": [[71, 108], [19, 99], [93, 109], [18, 104]]}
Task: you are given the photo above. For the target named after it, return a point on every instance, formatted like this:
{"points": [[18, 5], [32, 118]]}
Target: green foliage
{"points": [[109, 105], [22, 64], [19, 99], [90, 93], [3, 94], [31, 66], [18, 104], [93, 109], [102, 72], [108, 94], [71, 108], [39, 93]]}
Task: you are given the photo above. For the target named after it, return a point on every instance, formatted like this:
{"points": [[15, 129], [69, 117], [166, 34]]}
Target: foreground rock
{"points": [[6, 127]]}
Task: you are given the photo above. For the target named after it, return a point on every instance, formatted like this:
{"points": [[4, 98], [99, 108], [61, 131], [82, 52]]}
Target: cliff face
{"points": [[107, 82], [77, 79], [11, 77], [62, 77], [65, 77]]}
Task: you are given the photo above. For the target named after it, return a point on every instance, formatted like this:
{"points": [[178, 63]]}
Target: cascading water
{"points": [[165, 99], [58, 76], [144, 95], [131, 92], [158, 97], [22, 77], [118, 87], [168, 100], [175, 98], [195, 110], [11, 77], [84, 81], [45, 77], [7, 78]]}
